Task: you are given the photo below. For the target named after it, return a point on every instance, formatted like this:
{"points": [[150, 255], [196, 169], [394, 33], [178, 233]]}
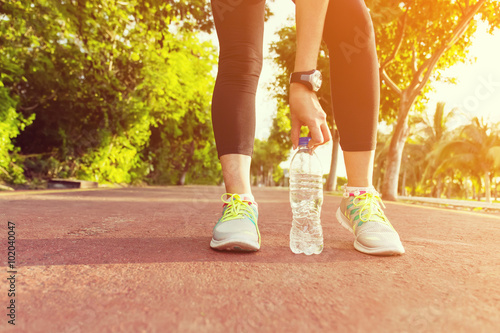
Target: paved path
{"points": [[138, 260]]}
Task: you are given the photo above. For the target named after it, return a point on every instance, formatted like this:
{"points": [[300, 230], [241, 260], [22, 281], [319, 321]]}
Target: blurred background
{"points": [[119, 92]]}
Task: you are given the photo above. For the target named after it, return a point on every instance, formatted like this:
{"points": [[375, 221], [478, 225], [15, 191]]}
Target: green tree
{"points": [[267, 156], [182, 146], [476, 150], [428, 134], [427, 37], [98, 76], [413, 165], [11, 121]]}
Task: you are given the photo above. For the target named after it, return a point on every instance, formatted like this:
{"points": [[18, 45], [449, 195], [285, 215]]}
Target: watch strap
{"points": [[296, 77]]}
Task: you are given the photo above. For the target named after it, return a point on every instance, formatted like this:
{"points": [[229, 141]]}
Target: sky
{"points": [[477, 92]]}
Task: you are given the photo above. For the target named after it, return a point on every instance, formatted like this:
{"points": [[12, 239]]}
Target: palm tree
{"points": [[413, 164], [418, 163], [476, 150], [436, 131]]}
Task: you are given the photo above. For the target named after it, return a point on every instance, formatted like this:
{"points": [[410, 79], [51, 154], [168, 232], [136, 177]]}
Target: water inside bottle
{"points": [[306, 198]]}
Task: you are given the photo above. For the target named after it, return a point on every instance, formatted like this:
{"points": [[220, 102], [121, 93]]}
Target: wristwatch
{"points": [[311, 79]]}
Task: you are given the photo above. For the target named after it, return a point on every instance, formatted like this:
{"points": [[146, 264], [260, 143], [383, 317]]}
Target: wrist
{"points": [[304, 67], [299, 87], [311, 79]]}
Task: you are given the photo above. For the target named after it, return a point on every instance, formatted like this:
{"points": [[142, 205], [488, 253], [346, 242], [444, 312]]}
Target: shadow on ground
{"points": [[163, 250]]}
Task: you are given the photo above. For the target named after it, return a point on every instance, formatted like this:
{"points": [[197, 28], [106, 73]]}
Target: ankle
{"points": [[236, 173], [357, 190], [361, 182], [238, 189], [247, 196], [243, 196]]}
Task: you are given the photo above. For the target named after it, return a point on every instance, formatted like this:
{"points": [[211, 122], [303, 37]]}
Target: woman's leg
{"points": [[355, 85], [240, 28], [355, 92]]}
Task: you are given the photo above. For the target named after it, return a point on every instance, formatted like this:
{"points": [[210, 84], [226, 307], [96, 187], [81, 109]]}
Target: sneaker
{"points": [[360, 212], [237, 229]]}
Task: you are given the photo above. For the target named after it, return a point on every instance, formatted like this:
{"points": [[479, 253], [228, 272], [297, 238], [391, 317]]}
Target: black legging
{"points": [[349, 35]]}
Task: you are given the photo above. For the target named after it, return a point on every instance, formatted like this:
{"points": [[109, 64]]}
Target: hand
{"points": [[306, 111]]}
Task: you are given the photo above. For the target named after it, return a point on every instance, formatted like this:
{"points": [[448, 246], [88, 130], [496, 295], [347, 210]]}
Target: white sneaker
{"points": [[237, 229], [360, 212]]}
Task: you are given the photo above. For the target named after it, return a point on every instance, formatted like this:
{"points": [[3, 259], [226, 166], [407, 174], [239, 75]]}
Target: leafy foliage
{"points": [[267, 156], [475, 151], [426, 37], [439, 160], [419, 157], [94, 79]]}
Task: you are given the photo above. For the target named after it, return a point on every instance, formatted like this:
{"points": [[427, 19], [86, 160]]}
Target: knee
{"points": [[241, 63]]}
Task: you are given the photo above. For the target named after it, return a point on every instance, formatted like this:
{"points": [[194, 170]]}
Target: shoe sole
{"points": [[238, 245], [386, 251]]}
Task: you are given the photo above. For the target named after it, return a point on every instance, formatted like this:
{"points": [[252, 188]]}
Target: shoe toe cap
{"points": [[235, 229], [380, 241]]}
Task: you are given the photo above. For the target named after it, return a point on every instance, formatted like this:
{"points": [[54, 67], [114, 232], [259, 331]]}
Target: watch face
{"points": [[316, 80]]}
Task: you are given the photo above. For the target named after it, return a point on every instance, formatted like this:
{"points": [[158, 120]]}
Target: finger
{"points": [[295, 133], [327, 134], [316, 137]]}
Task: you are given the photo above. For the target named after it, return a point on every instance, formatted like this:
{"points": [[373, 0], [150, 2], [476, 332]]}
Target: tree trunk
{"points": [[395, 153], [496, 191], [391, 177], [438, 187], [182, 178], [403, 184], [487, 186], [466, 187], [189, 161], [331, 181], [271, 180]]}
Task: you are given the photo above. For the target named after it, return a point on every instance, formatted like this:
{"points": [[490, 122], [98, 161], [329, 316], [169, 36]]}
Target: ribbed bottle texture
{"points": [[306, 198]]}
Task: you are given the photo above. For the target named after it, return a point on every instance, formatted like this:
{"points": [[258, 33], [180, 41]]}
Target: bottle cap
{"points": [[304, 141]]}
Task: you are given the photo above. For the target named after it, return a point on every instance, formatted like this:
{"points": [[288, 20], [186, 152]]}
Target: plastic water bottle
{"points": [[306, 198]]}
